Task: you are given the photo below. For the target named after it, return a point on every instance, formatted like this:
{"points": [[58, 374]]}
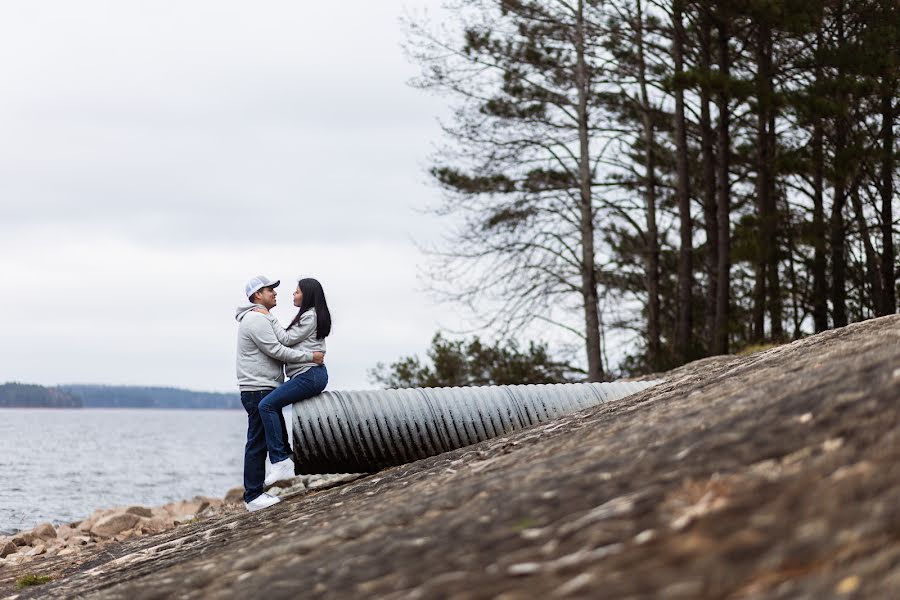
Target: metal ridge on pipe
{"points": [[365, 431]]}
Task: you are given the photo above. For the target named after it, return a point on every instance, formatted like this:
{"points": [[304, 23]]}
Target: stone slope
{"points": [[772, 475]]}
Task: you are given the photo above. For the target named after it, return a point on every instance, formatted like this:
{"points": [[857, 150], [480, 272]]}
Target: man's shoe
{"points": [[280, 471], [262, 501]]}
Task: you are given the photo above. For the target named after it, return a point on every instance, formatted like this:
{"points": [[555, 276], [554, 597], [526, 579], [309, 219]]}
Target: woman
{"points": [[306, 333]]}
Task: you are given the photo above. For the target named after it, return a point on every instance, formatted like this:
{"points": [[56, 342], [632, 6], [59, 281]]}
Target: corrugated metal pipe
{"points": [[363, 432]]}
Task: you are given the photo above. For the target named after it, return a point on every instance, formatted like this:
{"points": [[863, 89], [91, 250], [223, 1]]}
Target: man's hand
{"points": [[319, 358], [261, 309]]}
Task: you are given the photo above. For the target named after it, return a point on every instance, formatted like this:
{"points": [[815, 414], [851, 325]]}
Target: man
{"points": [[260, 369]]}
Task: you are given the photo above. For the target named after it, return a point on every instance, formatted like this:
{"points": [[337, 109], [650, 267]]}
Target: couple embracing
{"points": [[266, 351]]}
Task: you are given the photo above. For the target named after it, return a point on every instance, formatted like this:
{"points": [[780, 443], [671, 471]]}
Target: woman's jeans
{"points": [[300, 387]]}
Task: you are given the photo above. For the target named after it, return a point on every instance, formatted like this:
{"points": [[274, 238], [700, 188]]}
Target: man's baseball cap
{"points": [[257, 283]]}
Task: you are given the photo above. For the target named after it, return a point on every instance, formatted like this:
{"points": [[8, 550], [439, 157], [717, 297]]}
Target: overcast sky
{"points": [[156, 155]]}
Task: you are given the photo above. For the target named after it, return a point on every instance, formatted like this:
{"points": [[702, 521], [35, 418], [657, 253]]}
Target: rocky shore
{"points": [[774, 475], [109, 526]]}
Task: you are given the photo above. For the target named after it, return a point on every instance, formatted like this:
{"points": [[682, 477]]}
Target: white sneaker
{"points": [[262, 501], [280, 471]]}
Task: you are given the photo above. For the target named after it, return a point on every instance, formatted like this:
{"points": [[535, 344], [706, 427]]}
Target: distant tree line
{"points": [[113, 396], [22, 395], [693, 176], [106, 396]]}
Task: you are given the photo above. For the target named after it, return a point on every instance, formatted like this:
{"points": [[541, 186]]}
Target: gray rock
{"points": [[114, 524], [157, 524], [186, 508], [44, 531], [23, 539], [7, 548], [64, 532], [235, 495]]}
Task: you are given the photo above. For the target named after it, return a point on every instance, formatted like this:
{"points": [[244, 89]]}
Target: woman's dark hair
{"points": [[314, 297]]}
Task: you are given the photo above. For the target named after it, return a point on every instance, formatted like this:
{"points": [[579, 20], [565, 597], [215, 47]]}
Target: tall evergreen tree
{"points": [[721, 173]]}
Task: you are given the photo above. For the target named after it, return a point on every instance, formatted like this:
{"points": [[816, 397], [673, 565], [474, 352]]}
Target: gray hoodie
{"points": [[260, 357], [301, 337]]}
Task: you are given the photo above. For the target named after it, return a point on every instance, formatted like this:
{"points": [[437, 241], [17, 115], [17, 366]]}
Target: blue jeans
{"points": [[255, 450], [299, 387]]}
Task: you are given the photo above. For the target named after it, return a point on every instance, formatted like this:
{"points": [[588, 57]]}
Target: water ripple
{"points": [[112, 458]]}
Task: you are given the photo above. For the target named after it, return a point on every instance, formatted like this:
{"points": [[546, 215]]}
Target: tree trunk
{"points": [[588, 273], [759, 293], [685, 253], [763, 187], [838, 265], [723, 193], [776, 305], [820, 282], [888, 273], [873, 274], [652, 242], [709, 175], [796, 317]]}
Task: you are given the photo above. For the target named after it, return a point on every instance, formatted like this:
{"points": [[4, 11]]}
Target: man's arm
{"points": [[263, 335]]}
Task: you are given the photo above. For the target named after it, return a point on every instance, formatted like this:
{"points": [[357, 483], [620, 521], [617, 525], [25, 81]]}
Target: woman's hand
{"points": [[261, 309], [319, 358]]}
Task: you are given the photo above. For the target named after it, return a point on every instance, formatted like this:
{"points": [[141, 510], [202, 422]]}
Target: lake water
{"points": [[60, 465]]}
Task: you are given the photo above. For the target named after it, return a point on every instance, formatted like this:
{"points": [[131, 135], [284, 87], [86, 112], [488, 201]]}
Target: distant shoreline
{"points": [[24, 395], [229, 408]]}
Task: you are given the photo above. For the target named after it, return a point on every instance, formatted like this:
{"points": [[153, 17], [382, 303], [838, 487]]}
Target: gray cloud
{"points": [[173, 117], [157, 147]]}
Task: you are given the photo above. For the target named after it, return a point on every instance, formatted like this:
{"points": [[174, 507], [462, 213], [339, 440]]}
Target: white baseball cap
{"points": [[257, 283]]}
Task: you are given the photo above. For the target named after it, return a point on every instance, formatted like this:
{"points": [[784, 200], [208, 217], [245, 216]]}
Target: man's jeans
{"points": [[300, 387], [255, 450]]}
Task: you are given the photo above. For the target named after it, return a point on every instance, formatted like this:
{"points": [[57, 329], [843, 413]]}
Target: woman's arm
{"points": [[264, 338], [294, 335], [299, 332]]}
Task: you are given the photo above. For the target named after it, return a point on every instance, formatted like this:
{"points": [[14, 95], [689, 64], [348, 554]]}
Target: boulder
{"points": [[114, 524], [159, 511], [64, 532], [141, 511], [23, 539], [215, 505], [186, 508], [157, 524], [55, 544], [235, 495], [37, 550], [88, 524], [66, 551], [125, 535], [44, 531], [7, 547]]}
